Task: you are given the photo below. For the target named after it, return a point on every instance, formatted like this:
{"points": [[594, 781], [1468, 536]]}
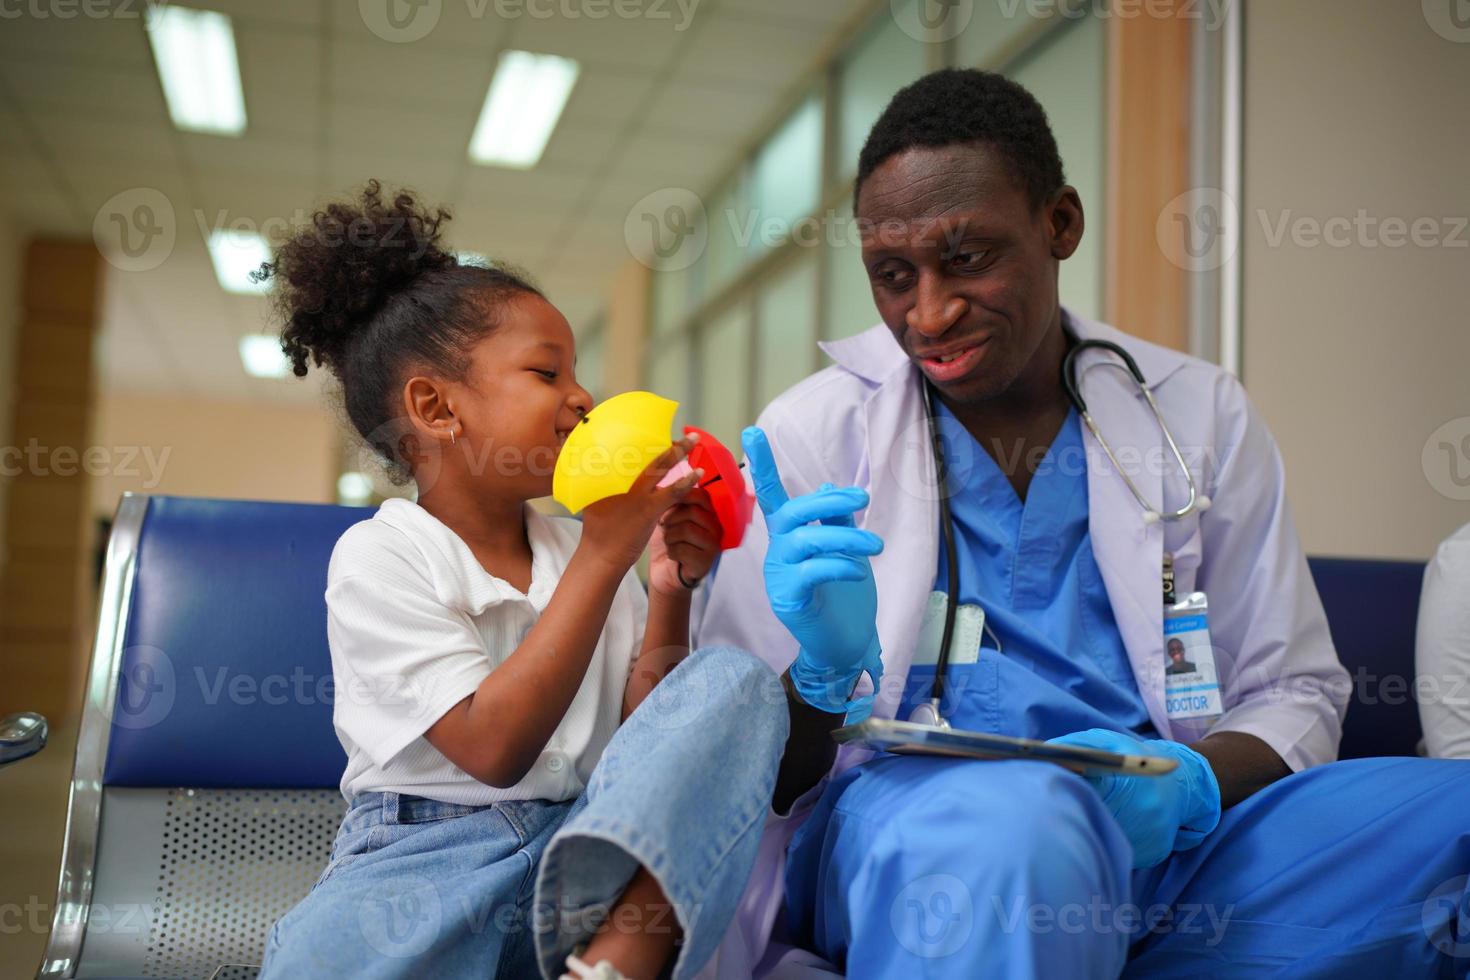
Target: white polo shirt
{"points": [[415, 623]]}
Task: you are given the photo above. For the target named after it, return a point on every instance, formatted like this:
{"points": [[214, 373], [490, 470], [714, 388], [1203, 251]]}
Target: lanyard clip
{"points": [[1169, 597]]}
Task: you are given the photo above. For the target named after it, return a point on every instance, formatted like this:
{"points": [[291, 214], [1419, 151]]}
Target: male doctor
{"points": [[1252, 856]]}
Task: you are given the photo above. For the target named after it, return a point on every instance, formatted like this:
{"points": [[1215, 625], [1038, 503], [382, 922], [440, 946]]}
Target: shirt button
{"points": [[555, 763]]}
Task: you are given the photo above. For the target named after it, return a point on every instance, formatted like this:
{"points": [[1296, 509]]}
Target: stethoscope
{"points": [[927, 713]]}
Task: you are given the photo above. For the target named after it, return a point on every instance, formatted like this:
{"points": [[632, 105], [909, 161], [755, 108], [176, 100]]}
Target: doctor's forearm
{"points": [[810, 750], [1243, 764]]}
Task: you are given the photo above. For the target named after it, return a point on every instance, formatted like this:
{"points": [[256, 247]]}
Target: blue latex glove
{"points": [[1158, 814], [819, 582]]}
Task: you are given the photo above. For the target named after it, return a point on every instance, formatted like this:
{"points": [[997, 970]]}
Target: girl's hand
{"points": [[617, 529], [687, 541]]}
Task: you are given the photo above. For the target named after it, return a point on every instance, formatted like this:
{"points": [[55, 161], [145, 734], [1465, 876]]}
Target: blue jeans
{"points": [[417, 887]]}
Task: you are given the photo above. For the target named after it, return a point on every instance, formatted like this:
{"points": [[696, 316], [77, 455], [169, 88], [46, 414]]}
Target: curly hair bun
{"points": [[334, 275]]}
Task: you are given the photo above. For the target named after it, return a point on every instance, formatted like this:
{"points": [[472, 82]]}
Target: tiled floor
{"points": [[32, 818]]}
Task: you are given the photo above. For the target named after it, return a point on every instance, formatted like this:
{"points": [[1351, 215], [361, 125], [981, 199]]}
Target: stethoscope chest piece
{"points": [[927, 713]]}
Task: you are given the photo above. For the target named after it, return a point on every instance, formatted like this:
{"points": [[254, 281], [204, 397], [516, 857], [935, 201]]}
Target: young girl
{"points": [[516, 807]]}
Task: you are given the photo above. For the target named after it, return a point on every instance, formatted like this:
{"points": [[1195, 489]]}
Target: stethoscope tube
{"points": [[951, 554], [1151, 514]]}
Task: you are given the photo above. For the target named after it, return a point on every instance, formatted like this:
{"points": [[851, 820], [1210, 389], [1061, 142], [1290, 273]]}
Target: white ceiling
{"points": [[82, 118]]}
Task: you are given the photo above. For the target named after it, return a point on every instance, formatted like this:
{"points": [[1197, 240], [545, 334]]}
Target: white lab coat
{"points": [[862, 422]]}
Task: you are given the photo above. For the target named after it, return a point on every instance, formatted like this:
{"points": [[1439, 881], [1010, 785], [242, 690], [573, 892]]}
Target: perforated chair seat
{"points": [[192, 879]]}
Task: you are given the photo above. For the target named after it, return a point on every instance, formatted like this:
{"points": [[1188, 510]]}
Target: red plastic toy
{"points": [[725, 484]]}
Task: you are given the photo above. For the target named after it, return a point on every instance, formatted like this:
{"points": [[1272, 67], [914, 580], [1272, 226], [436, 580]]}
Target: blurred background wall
{"points": [[1357, 267], [216, 448]]}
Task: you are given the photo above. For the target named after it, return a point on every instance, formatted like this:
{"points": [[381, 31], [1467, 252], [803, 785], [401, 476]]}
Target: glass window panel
{"points": [[668, 373], [723, 257], [724, 373], [883, 61], [786, 309], [589, 361], [849, 298], [996, 32], [1067, 74], [786, 179], [670, 299]]}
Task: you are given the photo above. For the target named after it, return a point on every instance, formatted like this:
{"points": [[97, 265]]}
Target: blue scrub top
{"points": [[1030, 567]]}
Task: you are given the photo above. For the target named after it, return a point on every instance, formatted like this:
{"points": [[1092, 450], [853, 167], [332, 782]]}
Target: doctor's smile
{"points": [[954, 363]]}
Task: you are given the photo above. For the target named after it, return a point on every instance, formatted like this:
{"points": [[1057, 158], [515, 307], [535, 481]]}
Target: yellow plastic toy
{"points": [[615, 442]]}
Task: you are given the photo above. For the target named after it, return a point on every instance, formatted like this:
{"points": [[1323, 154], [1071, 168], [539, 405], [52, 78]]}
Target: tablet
{"points": [[908, 738]]}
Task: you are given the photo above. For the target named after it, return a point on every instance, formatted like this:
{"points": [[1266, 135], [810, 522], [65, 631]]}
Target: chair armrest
{"points": [[22, 735]]}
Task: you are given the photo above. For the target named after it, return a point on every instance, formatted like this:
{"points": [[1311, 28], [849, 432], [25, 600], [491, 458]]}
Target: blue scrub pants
{"points": [[922, 867]]}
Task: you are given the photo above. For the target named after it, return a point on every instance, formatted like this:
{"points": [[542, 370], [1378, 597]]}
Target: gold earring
{"points": [[453, 438]]}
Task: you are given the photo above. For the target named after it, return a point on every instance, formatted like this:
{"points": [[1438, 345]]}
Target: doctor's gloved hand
{"points": [[1158, 814], [819, 582]]}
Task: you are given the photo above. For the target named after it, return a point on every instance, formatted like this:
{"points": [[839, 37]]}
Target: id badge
{"points": [[964, 654], [1191, 686], [964, 646]]}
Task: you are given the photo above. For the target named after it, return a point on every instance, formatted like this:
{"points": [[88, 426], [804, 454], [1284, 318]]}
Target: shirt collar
{"points": [[458, 578]]}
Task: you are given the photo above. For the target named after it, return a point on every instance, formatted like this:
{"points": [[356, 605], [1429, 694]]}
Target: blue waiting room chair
{"points": [[204, 799], [1373, 612]]}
